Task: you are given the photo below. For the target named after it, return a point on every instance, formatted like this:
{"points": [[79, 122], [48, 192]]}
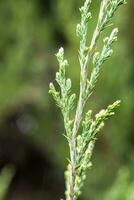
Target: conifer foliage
{"points": [[81, 143]]}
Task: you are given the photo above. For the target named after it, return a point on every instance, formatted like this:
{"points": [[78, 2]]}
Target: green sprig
{"points": [[63, 99], [81, 145]]}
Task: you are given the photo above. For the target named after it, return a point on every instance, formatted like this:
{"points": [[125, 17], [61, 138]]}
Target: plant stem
{"points": [[82, 100], [81, 146]]}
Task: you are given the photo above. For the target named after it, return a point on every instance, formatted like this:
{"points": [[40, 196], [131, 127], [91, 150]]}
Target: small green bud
{"points": [[65, 63], [79, 140], [105, 40], [82, 9], [88, 16], [96, 58], [78, 30], [60, 54], [71, 101], [68, 84]]}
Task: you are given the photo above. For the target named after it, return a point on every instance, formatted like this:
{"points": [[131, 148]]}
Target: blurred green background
{"points": [[32, 150]]}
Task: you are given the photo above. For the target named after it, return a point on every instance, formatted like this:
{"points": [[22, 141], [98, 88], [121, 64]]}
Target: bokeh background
{"points": [[33, 151]]}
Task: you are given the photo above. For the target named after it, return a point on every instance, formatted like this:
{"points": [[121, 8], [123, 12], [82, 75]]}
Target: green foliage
{"points": [[64, 100], [122, 188], [82, 145], [28, 34], [5, 178], [86, 141], [20, 63]]}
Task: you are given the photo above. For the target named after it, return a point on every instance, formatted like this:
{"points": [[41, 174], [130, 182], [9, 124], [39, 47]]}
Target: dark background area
{"points": [[31, 126]]}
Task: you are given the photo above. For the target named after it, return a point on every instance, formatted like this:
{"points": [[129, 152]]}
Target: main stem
{"points": [[77, 121], [81, 104]]}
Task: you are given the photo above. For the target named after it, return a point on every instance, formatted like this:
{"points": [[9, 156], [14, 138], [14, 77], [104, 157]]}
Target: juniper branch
{"points": [[81, 146]]}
